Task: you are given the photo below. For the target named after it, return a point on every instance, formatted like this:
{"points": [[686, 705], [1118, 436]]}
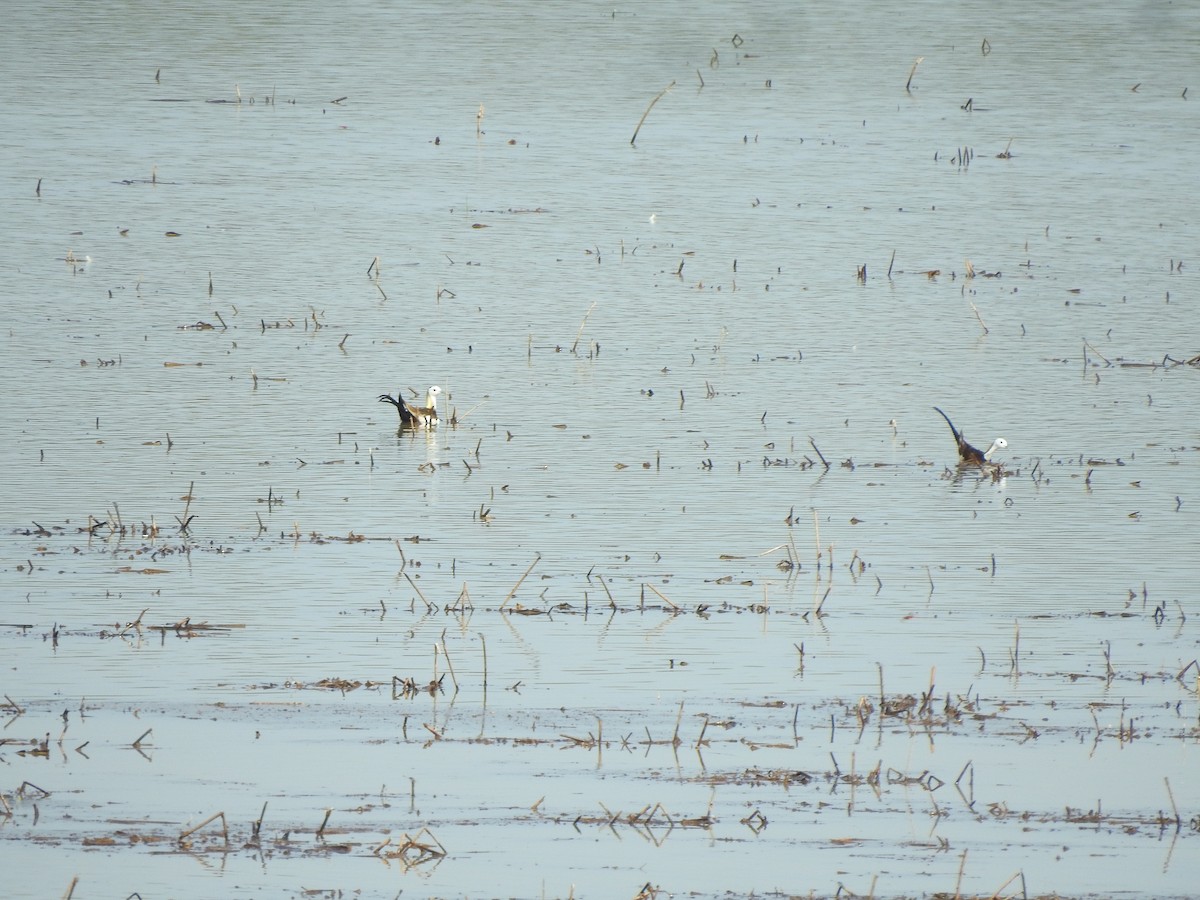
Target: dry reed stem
{"points": [[912, 72], [428, 605], [678, 720], [979, 317], [449, 664], [612, 604], [74, 881], [429, 834], [1088, 346], [582, 325], [258, 822], [958, 883], [1015, 875], [520, 580], [183, 524], [664, 597], [483, 642], [817, 449], [458, 418], [1016, 657], [1174, 808], [212, 818], [662, 93], [817, 609]]}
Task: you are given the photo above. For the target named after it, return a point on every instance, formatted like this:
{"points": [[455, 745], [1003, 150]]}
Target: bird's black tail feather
{"points": [[954, 431], [406, 416]]}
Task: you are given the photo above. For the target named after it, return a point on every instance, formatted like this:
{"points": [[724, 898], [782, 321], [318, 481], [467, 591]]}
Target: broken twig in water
{"points": [[979, 317], [582, 325], [641, 121], [912, 72], [212, 818], [817, 450], [519, 580], [663, 597]]}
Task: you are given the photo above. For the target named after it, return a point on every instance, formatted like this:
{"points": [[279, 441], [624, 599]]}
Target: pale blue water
{"points": [[667, 451]]}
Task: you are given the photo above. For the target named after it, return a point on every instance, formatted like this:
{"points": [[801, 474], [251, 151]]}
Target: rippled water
{"points": [[651, 351]]}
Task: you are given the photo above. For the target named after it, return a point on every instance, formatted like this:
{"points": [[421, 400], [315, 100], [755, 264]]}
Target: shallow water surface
{"points": [[686, 594]]}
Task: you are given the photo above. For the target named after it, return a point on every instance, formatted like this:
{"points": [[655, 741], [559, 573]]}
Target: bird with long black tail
{"points": [[415, 416], [973, 455]]}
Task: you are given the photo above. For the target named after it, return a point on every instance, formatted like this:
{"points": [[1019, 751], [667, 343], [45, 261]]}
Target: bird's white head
{"points": [[431, 395], [998, 444]]}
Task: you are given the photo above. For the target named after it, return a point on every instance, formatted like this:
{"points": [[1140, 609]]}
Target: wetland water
{"points": [[690, 601]]}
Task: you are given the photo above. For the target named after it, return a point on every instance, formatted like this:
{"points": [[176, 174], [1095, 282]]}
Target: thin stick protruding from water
{"points": [[483, 643], [612, 604], [582, 325], [962, 864], [912, 72], [212, 818], [519, 580], [258, 822], [817, 449], [449, 664], [641, 121], [1174, 808], [428, 606], [188, 504], [1088, 346], [1016, 651], [979, 317], [663, 596]]}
